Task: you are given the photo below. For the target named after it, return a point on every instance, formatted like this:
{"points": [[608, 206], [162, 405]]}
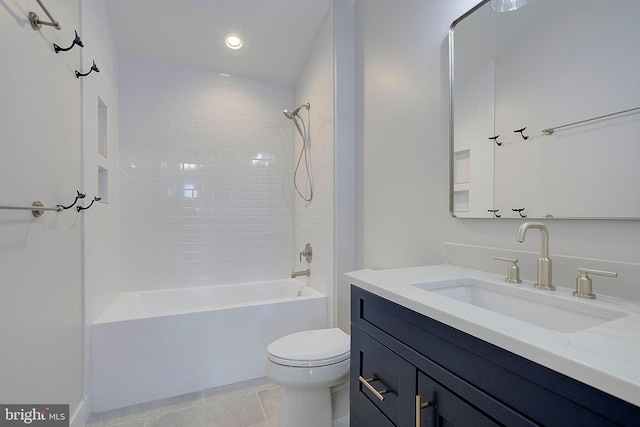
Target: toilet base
{"points": [[309, 408], [340, 404]]}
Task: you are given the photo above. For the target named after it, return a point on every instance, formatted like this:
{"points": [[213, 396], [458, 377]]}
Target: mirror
{"points": [[545, 111]]}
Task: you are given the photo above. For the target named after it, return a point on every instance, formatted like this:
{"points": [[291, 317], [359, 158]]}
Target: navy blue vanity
{"points": [[408, 369]]}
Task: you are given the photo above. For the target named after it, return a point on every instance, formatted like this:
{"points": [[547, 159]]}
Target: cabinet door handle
{"points": [[366, 382], [419, 407]]}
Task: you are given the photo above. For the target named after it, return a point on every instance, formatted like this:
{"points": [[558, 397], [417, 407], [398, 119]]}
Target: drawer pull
{"points": [[420, 406], [366, 382]]}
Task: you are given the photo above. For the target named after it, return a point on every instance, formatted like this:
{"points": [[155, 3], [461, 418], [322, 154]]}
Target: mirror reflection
{"points": [[545, 116]]}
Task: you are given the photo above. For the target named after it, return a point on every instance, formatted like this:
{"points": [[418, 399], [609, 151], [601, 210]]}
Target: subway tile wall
{"points": [[315, 220], [206, 166]]}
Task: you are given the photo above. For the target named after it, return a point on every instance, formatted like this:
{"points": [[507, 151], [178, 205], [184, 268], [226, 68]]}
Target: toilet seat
{"points": [[318, 347]]}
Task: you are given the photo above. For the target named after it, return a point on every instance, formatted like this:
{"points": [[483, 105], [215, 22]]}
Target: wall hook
{"points": [[495, 212], [94, 67], [76, 41], [520, 212], [36, 23], [495, 139], [79, 196], [521, 132], [95, 199]]}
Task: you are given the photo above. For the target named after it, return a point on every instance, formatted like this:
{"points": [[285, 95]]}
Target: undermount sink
{"points": [[542, 308]]}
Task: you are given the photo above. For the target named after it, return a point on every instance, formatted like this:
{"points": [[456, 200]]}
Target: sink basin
{"points": [[542, 308]]}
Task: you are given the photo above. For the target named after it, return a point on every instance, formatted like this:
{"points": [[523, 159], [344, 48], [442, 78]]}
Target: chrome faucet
{"points": [[544, 263]]}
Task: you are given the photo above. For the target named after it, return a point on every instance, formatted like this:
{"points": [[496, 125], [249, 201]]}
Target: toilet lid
{"points": [[319, 347]]}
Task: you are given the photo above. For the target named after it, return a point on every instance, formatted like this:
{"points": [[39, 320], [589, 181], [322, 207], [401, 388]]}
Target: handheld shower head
{"points": [[297, 120], [288, 114], [291, 114]]}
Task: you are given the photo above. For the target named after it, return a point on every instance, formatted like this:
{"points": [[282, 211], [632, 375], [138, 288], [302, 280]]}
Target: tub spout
{"points": [[295, 274]]}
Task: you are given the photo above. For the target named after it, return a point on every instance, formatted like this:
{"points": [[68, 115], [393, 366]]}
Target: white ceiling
{"points": [[277, 34]]}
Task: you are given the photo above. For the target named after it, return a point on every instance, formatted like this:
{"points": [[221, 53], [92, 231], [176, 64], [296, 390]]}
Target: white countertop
{"points": [[606, 356]]}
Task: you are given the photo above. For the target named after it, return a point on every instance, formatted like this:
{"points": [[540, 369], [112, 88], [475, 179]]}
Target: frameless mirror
{"points": [[545, 111]]}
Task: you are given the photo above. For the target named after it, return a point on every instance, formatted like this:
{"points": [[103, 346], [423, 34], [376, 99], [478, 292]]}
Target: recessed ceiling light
{"points": [[233, 41]]}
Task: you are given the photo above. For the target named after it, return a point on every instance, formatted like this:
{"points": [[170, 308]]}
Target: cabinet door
{"points": [[446, 409], [393, 378]]}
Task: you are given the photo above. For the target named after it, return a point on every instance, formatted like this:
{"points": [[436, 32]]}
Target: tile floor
{"points": [[253, 403]]}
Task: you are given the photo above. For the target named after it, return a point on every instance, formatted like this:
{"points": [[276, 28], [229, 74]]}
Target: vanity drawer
{"points": [[374, 366]]}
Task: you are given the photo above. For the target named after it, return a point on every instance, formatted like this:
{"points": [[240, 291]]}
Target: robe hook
{"points": [[495, 212], [94, 67], [520, 212], [495, 139], [521, 132], [76, 41], [79, 196], [95, 199]]}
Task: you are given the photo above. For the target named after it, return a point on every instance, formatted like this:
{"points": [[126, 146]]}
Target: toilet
{"points": [[312, 367]]}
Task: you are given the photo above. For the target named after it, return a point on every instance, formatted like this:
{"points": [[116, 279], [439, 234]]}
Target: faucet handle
{"points": [[513, 271], [584, 284], [307, 253]]}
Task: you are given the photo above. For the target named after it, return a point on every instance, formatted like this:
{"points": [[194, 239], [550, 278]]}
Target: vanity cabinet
{"points": [[402, 360]]}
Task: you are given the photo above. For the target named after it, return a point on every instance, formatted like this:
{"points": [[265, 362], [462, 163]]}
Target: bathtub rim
{"points": [[108, 315]]}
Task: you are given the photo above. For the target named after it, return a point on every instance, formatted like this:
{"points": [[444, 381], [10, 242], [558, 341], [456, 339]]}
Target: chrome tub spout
{"points": [[295, 274]]}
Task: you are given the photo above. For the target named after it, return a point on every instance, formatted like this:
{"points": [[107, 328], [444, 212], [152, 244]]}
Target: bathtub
{"points": [[156, 344]]}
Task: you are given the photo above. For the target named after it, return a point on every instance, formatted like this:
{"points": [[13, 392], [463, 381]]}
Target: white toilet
{"points": [[312, 367]]}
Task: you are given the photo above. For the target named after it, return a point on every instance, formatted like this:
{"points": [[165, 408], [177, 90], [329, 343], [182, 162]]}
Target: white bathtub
{"points": [[156, 344]]}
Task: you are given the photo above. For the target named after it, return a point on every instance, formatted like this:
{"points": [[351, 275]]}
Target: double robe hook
{"points": [[496, 215], [521, 132], [94, 67], [520, 212], [79, 196], [495, 139], [95, 199], [75, 42]]}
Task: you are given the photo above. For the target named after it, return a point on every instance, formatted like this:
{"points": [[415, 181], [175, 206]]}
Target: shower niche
{"points": [[102, 128], [102, 151]]}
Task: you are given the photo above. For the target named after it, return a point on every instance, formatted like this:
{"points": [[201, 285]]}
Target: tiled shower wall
{"points": [[315, 219], [205, 177]]}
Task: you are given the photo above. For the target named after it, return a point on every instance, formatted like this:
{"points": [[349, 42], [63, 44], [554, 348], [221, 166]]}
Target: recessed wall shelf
{"points": [[102, 128], [461, 200], [103, 184], [461, 165]]}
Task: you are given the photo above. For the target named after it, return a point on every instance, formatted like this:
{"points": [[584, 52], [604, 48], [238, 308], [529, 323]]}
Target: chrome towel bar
{"points": [[37, 208], [36, 23], [549, 131]]}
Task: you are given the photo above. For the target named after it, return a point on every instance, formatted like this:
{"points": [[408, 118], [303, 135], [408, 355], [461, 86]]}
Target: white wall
{"points": [[344, 154], [314, 220], [403, 111], [40, 259], [100, 153], [102, 259], [206, 177]]}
